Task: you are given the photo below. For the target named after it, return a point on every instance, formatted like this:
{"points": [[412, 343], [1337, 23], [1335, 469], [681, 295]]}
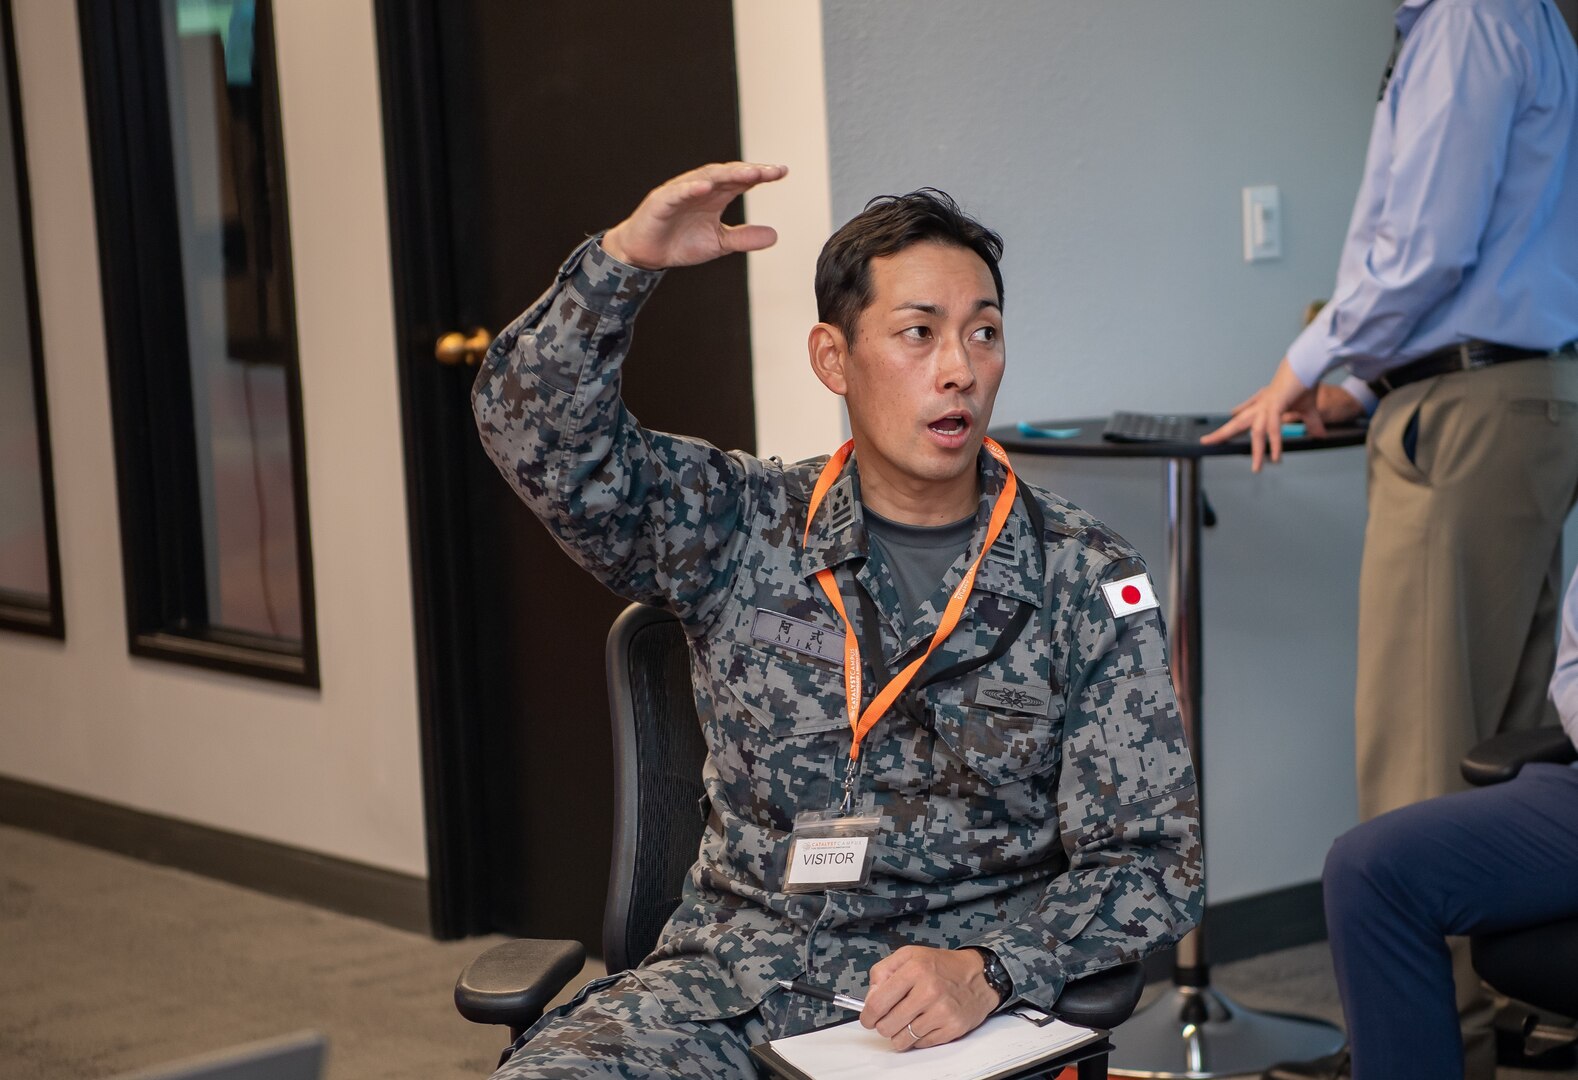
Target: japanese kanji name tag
{"points": [[1130, 595], [797, 635]]}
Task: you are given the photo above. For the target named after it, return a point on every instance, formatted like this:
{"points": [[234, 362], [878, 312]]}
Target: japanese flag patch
{"points": [[1130, 595]]}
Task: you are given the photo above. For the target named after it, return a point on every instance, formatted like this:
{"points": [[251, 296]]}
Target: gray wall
{"points": [[1108, 143]]}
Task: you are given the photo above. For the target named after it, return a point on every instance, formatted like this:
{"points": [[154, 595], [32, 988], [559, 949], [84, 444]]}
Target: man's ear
{"points": [[829, 353]]}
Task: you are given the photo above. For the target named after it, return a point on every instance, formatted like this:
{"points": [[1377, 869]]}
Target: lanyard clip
{"points": [[851, 772]]}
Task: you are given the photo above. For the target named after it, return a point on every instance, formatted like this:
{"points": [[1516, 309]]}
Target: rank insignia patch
{"points": [[1005, 548], [841, 506]]}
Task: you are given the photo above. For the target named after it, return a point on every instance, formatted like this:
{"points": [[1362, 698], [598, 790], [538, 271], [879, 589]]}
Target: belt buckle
{"points": [[1469, 359]]}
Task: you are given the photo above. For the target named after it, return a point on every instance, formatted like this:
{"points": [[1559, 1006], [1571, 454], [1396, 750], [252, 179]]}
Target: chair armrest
{"points": [[1499, 758], [1103, 1000], [512, 982]]}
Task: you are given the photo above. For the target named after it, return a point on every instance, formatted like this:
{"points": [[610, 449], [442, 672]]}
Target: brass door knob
{"points": [[457, 348]]}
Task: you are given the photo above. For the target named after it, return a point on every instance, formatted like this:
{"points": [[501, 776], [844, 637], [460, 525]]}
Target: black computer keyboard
{"points": [[1152, 427]]}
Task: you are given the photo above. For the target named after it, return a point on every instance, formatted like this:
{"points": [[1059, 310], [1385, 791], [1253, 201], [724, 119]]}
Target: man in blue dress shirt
{"points": [[1454, 314]]}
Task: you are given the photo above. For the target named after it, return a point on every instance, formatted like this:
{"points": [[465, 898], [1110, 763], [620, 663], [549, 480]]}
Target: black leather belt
{"points": [[1466, 356]]}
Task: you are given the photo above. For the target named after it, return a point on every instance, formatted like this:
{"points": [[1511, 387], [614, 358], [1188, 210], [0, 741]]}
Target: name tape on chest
{"points": [[797, 635], [1130, 595]]}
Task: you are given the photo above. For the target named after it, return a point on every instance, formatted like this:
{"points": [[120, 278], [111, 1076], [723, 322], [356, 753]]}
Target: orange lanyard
{"points": [[860, 723]]}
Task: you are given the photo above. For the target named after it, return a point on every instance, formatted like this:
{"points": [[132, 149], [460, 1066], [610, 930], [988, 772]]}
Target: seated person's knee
{"points": [[1361, 860]]}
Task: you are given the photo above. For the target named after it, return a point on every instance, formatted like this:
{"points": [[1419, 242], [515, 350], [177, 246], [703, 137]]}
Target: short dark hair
{"points": [[888, 225]]}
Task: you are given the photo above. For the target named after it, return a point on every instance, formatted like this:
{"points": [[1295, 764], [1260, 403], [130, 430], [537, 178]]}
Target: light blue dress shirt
{"points": [[1466, 223], [1564, 681]]}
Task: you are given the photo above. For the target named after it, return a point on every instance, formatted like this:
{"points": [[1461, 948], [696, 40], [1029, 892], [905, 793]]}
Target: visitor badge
{"points": [[827, 860], [829, 851]]}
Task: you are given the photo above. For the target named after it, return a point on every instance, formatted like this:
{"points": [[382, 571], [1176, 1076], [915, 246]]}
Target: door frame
{"points": [[434, 117], [428, 298]]}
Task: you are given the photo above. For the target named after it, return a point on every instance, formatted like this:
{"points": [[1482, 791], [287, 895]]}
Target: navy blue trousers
{"points": [[1491, 859]]}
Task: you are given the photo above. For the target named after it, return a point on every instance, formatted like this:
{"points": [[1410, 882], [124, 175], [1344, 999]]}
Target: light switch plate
{"points": [[1262, 223]]}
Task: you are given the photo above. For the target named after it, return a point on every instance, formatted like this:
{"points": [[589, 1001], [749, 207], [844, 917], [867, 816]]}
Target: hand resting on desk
{"points": [[1285, 399]]}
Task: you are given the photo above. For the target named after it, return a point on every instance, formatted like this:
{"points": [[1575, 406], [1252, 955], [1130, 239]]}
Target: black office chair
{"points": [[658, 823], [1535, 965]]}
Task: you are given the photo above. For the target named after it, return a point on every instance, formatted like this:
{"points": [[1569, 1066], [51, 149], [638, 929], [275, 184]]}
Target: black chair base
{"points": [[1526, 1040]]}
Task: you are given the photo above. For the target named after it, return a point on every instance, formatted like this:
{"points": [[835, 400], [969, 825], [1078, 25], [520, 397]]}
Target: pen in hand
{"points": [[843, 1001]]}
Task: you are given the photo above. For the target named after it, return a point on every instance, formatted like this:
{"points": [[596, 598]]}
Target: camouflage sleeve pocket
{"points": [[1146, 750], [784, 696]]}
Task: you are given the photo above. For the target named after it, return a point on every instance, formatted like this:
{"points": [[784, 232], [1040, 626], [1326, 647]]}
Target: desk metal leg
{"points": [[1193, 1030]]}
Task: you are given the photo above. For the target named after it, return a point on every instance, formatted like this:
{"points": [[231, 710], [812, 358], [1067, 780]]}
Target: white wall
{"points": [[783, 121], [335, 771], [1108, 143]]}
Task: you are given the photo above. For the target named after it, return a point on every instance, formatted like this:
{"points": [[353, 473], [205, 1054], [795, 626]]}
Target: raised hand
{"points": [[680, 223]]}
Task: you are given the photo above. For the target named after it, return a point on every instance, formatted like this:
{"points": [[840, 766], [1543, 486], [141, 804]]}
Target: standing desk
{"points": [[1193, 1030]]}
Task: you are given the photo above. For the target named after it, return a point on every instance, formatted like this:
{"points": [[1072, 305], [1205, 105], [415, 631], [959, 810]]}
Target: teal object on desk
{"points": [[1030, 431], [1293, 431]]}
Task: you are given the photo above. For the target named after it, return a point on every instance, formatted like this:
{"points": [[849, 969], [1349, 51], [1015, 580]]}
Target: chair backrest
{"points": [[658, 756]]}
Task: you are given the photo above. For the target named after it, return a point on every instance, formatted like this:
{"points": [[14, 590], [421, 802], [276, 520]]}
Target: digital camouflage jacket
{"points": [[1041, 804]]}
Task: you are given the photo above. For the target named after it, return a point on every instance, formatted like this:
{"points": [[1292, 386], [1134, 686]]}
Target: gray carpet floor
{"points": [[108, 964]]}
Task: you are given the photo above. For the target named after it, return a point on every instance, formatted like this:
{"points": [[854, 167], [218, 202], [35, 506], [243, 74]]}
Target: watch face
{"points": [[999, 977], [995, 974]]}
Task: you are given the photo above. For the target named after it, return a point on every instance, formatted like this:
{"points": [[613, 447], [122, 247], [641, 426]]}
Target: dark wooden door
{"points": [[513, 130]]}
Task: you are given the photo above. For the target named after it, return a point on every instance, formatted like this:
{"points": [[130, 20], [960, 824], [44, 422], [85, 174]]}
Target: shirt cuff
{"points": [[605, 286], [1308, 355], [1361, 390], [1564, 695]]}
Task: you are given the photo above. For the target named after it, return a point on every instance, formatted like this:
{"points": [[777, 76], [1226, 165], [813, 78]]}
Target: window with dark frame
{"points": [[183, 113], [30, 599]]}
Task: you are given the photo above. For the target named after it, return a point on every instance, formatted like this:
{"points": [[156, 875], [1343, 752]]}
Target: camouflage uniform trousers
{"points": [[615, 1027]]}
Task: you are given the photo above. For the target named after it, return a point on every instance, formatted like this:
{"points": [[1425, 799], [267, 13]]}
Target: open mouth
{"points": [[952, 424]]}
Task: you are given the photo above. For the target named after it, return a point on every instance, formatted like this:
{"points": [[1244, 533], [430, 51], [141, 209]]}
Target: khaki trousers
{"points": [[1471, 477], [1460, 587]]}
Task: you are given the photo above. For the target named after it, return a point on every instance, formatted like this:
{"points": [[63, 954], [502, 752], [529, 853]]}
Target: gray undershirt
{"points": [[917, 555]]}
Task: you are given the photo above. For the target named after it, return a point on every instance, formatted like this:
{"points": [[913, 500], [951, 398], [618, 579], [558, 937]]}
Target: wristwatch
{"points": [[995, 974]]}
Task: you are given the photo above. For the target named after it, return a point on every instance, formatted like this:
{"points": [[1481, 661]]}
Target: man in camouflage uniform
{"points": [[1036, 799]]}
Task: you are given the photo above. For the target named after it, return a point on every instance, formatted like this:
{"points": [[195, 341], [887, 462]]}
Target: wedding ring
{"points": [[912, 1033]]}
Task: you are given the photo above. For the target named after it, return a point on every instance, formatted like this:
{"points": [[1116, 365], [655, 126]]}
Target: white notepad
{"points": [[1002, 1046]]}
